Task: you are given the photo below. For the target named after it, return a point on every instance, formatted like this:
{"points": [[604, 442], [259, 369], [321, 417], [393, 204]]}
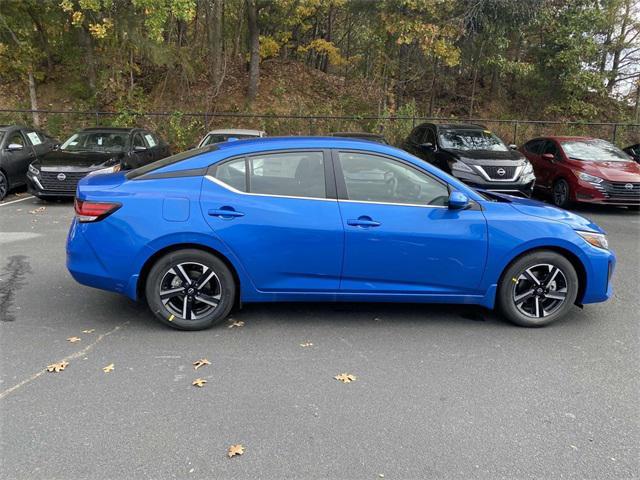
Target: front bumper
{"points": [[521, 185], [46, 184], [607, 193]]}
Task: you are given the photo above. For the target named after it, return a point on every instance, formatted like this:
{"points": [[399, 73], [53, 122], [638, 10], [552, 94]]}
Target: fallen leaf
{"points": [[37, 210], [237, 323], [235, 450], [200, 363], [108, 368], [57, 367], [199, 382], [73, 339], [306, 344], [345, 378], [91, 330]]}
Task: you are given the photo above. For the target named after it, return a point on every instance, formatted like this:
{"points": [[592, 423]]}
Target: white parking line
{"points": [[16, 201]]}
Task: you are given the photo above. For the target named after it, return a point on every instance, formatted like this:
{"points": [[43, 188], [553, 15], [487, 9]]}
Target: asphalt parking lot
{"points": [[440, 391]]}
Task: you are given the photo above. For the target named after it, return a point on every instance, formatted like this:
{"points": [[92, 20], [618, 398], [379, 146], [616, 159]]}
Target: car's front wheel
{"points": [[4, 185], [561, 193], [537, 289], [190, 289]]}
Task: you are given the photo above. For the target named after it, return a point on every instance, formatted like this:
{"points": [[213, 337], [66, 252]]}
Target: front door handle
{"points": [[363, 221], [225, 212]]}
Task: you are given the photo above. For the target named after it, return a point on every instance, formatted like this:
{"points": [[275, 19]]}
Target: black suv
{"points": [[93, 151], [474, 155]]}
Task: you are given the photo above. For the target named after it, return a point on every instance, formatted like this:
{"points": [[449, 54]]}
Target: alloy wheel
{"points": [[190, 290], [540, 290], [560, 193], [3, 186]]}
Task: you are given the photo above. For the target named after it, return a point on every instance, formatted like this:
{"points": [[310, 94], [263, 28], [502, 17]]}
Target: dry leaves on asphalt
{"points": [[37, 210], [73, 339], [57, 367], [306, 344], [91, 330], [345, 378], [235, 450], [199, 382], [108, 368], [237, 323], [200, 363]]}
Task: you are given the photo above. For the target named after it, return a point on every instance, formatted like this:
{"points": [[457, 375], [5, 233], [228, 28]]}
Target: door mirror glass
{"points": [[12, 147], [549, 156], [458, 201]]}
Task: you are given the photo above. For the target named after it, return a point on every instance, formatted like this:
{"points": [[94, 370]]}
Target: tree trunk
{"points": [[254, 50], [214, 22], [637, 108], [34, 100], [236, 42], [87, 43]]}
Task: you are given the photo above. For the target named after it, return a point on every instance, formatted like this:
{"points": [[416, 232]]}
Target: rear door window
{"points": [[295, 174]]}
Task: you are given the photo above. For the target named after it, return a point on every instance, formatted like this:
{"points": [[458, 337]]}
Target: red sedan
{"points": [[583, 169]]}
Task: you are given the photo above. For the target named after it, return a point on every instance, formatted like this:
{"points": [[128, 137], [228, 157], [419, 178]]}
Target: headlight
{"points": [[114, 169], [588, 178], [598, 240], [528, 169], [33, 169], [459, 166]]}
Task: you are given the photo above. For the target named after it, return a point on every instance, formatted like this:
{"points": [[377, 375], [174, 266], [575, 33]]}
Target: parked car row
{"points": [[567, 169]]}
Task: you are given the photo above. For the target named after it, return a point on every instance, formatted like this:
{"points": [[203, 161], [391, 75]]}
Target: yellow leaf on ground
{"points": [[306, 344], [37, 210], [199, 382], [91, 330], [73, 339], [200, 363], [235, 450], [237, 323], [108, 368], [57, 367], [345, 378]]}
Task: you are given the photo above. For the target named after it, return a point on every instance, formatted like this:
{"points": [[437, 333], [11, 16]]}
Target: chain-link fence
{"points": [[183, 129]]}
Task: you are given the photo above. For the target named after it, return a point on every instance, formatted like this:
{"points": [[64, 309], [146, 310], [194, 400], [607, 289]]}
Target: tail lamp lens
{"points": [[87, 211]]}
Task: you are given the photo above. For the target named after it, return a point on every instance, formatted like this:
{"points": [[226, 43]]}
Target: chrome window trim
{"points": [[516, 175], [396, 204], [240, 192]]}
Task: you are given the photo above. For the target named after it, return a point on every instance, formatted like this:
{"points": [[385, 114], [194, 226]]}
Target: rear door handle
{"points": [[363, 221], [225, 212]]}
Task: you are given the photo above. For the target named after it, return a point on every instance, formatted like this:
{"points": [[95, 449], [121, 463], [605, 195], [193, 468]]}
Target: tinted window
{"points": [[430, 137], [138, 141], [233, 173], [297, 174], [417, 134], [16, 138], [533, 146], [372, 178], [551, 148]]}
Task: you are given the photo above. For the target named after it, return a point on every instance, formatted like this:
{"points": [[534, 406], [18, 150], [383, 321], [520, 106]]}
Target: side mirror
{"points": [[428, 147], [139, 148], [14, 147], [549, 157], [458, 201], [513, 146]]}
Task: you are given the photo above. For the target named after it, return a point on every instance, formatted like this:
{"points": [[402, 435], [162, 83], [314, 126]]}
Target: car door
{"points": [[18, 154], [414, 140], [153, 145], [399, 235], [278, 213], [141, 154], [547, 169]]}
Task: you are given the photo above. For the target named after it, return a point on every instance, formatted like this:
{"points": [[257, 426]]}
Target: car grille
{"points": [[620, 191], [497, 172], [50, 181]]}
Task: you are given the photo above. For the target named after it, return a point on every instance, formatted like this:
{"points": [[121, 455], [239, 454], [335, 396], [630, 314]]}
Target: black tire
{"points": [[519, 297], [561, 193], [197, 301], [634, 208], [4, 185]]}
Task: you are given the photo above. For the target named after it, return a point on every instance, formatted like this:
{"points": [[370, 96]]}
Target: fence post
{"points": [[310, 126], [97, 119], [515, 133], [615, 133]]}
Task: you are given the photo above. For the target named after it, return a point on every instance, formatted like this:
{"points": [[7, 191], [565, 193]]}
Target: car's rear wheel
{"points": [[537, 289], [190, 289], [561, 193], [4, 185]]}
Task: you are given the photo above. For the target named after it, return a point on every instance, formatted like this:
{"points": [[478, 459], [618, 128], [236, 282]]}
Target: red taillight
{"points": [[93, 211]]}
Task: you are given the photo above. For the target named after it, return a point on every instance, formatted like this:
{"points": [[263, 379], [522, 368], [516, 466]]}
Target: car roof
{"points": [[561, 138], [459, 126], [237, 131], [110, 129], [355, 134]]}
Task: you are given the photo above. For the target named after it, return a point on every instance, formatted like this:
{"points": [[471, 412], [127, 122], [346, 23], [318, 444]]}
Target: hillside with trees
{"points": [[526, 59]]}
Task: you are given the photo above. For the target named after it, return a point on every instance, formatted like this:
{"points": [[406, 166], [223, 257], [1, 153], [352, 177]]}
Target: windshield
{"points": [[96, 142], [471, 140], [593, 151], [223, 137]]}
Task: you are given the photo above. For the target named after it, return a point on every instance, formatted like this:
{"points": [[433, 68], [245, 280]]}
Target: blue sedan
{"points": [[326, 219]]}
